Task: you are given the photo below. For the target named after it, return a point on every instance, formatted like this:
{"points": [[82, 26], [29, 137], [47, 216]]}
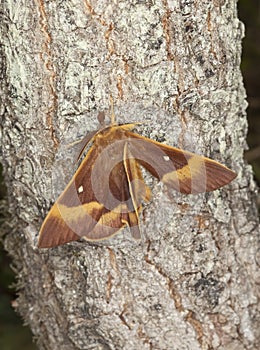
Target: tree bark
{"points": [[191, 283]]}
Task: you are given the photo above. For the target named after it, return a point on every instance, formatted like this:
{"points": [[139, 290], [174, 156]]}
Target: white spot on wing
{"points": [[80, 189]]}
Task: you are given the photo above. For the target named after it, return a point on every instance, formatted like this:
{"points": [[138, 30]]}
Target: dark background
{"points": [[249, 13], [13, 334]]}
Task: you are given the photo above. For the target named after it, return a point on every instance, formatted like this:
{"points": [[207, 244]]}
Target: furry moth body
{"points": [[106, 192]]}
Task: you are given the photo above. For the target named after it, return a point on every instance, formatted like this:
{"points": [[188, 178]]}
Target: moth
{"points": [[108, 190]]}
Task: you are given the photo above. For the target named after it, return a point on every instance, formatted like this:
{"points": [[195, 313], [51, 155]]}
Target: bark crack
{"points": [[46, 58], [173, 293], [109, 44], [122, 317], [143, 336], [166, 28], [196, 325], [119, 86]]}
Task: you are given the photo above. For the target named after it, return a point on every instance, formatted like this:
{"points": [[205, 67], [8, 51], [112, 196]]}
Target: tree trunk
{"points": [[191, 283]]}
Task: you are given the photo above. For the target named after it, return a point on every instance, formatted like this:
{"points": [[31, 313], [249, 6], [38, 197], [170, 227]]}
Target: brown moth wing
{"points": [[60, 225], [97, 201], [184, 171]]}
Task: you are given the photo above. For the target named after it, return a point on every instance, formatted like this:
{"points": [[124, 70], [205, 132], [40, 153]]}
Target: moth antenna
{"points": [[82, 144], [112, 116]]}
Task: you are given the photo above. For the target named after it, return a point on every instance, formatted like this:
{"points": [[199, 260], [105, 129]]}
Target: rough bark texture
{"points": [[192, 281]]}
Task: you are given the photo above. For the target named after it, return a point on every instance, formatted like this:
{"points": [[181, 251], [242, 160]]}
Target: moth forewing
{"points": [[97, 201], [181, 170], [54, 230]]}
